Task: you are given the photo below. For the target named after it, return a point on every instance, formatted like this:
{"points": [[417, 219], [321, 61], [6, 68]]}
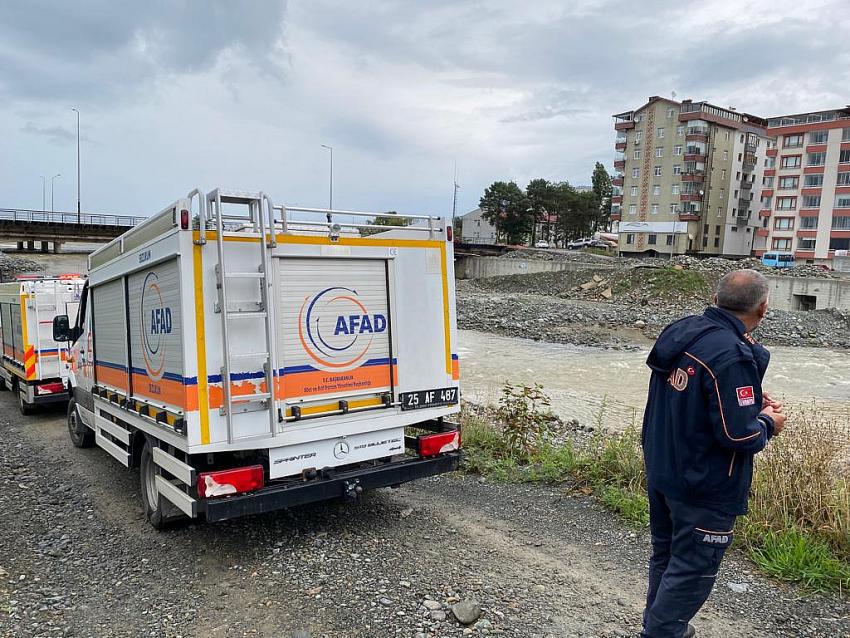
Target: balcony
{"points": [[690, 197], [689, 216], [617, 181], [620, 164], [693, 177], [772, 152], [762, 232], [695, 156], [804, 254], [615, 217], [620, 146], [749, 161], [765, 212], [809, 212], [807, 232], [616, 199], [624, 125], [746, 185]]}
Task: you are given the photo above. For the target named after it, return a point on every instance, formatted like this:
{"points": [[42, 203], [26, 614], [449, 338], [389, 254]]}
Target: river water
{"points": [[581, 380]]}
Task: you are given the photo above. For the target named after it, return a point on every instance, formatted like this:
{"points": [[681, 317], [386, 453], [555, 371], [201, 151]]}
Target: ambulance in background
{"points": [[247, 363], [35, 366]]}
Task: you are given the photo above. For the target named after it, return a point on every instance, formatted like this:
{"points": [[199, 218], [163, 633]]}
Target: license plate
{"points": [[428, 398]]}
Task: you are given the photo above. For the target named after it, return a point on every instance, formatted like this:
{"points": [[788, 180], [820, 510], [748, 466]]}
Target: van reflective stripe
{"points": [[29, 351], [201, 344]]}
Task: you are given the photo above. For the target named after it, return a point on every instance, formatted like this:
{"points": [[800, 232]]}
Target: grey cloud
{"points": [[55, 134], [81, 51]]}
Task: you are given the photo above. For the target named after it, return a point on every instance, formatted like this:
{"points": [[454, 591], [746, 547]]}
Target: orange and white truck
{"points": [[35, 366], [246, 362]]}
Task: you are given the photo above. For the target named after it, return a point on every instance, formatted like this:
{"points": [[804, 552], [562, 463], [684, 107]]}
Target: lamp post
{"points": [[331, 187], [51, 189], [78, 163], [43, 193]]}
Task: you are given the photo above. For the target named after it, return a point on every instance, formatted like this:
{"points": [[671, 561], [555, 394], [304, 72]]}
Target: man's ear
{"points": [[762, 311], [714, 299]]}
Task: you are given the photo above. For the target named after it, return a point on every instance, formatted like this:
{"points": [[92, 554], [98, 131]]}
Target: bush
{"points": [[524, 413]]}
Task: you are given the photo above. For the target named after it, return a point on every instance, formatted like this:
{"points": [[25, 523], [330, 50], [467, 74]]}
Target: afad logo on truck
{"points": [[155, 323], [336, 329]]}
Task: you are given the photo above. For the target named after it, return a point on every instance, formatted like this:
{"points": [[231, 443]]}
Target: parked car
{"points": [[578, 244], [541, 243], [601, 243]]}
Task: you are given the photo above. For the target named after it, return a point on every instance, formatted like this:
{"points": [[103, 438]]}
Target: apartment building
{"points": [[687, 177], [805, 196]]}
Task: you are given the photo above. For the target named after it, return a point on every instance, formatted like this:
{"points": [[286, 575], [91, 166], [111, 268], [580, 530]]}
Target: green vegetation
{"points": [[670, 281], [798, 528]]}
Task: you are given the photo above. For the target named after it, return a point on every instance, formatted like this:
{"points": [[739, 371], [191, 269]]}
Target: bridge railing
{"points": [[64, 217]]}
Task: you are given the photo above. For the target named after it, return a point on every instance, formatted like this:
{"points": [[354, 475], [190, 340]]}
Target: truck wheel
{"points": [[25, 406], [3, 385], [81, 435], [151, 500]]}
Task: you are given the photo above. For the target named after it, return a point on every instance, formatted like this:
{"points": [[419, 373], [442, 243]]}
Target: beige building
{"points": [[805, 196], [474, 229], [687, 179]]}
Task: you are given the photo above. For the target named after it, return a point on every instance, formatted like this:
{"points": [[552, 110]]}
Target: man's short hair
{"points": [[742, 291]]}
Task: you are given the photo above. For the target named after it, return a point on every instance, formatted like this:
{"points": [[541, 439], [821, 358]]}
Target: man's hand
{"points": [[778, 418], [768, 402]]}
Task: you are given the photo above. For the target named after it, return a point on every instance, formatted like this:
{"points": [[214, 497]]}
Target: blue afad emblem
{"points": [[161, 321], [359, 324]]}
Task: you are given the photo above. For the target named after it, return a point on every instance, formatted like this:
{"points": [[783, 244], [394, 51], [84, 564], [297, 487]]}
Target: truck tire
{"points": [[81, 434], [153, 504], [3, 385], [24, 406]]}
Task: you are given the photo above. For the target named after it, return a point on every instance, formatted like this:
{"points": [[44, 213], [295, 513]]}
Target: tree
{"points": [[390, 218], [506, 207], [539, 193], [602, 189], [577, 212]]}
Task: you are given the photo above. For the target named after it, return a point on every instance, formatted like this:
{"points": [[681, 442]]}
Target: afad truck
{"points": [[247, 363], [35, 366]]}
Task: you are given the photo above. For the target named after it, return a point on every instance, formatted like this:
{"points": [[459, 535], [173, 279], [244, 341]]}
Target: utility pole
{"points": [[43, 193], [51, 189], [331, 187], [454, 199], [78, 163]]}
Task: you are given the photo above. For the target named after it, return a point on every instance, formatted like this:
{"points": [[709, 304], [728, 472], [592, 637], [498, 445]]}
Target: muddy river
{"points": [[584, 383]]}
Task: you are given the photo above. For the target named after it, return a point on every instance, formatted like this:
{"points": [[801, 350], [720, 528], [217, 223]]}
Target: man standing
{"points": [[706, 418]]}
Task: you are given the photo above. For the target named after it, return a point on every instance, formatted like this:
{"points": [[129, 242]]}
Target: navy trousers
{"points": [[688, 543]]}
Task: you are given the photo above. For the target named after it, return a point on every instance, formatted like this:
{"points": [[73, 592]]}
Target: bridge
{"points": [[26, 227]]}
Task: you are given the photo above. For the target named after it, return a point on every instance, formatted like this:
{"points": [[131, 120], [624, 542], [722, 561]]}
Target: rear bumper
{"points": [[47, 399], [276, 497]]}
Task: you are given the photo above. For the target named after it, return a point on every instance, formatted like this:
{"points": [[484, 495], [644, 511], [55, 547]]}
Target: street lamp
{"points": [[43, 193], [78, 163], [51, 189], [331, 192]]}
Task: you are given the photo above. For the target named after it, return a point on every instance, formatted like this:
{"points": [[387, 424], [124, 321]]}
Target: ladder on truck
{"points": [[257, 206]]}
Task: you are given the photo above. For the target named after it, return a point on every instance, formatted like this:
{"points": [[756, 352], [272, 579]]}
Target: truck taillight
{"points": [[449, 233], [50, 388], [433, 444], [235, 481], [184, 219]]}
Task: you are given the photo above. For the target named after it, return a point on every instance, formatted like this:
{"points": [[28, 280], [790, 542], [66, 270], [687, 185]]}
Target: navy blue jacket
{"points": [[702, 424]]}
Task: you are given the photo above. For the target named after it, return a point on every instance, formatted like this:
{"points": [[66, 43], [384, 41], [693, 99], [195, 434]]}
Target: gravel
{"points": [[11, 266], [77, 559]]}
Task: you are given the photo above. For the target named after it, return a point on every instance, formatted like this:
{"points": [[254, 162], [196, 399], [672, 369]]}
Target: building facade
{"points": [[474, 229], [805, 196], [687, 179]]}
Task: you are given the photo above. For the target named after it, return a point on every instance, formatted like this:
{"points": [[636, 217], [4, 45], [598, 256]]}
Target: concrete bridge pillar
{"points": [[20, 245], [30, 245], [44, 246], [57, 247]]}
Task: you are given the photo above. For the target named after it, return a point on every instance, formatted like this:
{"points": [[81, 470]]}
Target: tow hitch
{"points": [[353, 490]]}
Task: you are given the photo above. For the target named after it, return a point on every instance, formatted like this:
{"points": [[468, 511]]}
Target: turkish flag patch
{"points": [[746, 396]]}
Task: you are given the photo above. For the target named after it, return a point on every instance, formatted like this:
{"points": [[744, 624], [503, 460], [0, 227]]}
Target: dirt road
{"points": [[76, 559]]}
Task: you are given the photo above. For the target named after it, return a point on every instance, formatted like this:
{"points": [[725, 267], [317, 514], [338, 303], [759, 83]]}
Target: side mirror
{"points": [[61, 328]]}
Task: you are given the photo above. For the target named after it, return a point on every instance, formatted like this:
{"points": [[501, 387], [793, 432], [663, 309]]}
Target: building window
{"points": [[793, 141], [765, 202], [677, 150], [818, 137], [671, 113], [791, 161], [788, 183], [734, 229], [767, 181], [722, 193], [635, 173], [806, 243], [845, 135], [843, 179], [704, 241], [807, 223], [652, 239], [637, 154], [782, 244], [813, 180], [841, 223], [811, 201], [638, 136], [632, 209], [783, 223], [726, 154], [816, 159], [654, 209], [717, 242], [680, 130], [674, 190], [659, 151], [786, 203], [656, 189], [728, 135], [842, 201], [657, 171], [677, 169], [669, 240], [673, 209], [634, 191], [844, 156], [630, 238], [770, 162], [660, 132], [705, 229]]}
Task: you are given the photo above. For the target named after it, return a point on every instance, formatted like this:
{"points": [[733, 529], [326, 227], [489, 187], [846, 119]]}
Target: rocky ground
{"points": [[77, 559], [13, 265]]}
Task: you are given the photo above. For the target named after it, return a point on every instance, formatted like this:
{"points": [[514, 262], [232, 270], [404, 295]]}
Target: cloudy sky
{"points": [[175, 95]]}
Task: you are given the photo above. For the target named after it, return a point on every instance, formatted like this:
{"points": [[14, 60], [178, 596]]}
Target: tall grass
{"points": [[798, 527]]}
